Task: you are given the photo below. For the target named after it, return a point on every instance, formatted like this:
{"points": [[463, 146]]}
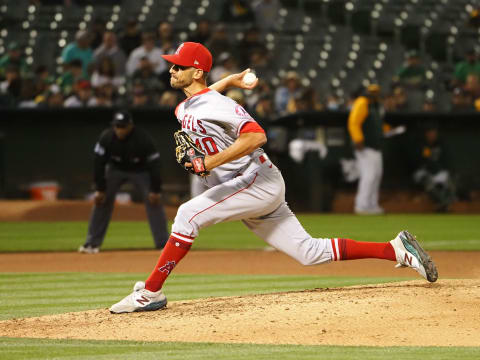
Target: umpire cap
{"points": [[122, 118]]}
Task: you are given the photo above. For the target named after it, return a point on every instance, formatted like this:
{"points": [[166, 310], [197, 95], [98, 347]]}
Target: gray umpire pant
{"points": [[101, 214]]}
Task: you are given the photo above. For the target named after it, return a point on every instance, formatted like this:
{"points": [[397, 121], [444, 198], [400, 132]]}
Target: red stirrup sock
{"points": [[347, 249], [176, 248]]}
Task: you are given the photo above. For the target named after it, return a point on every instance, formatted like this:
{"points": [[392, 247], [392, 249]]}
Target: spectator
{"points": [[148, 50], [27, 94], [131, 37], [433, 170], [412, 73], [264, 108], [461, 100], [140, 96], [365, 125], [73, 72], [474, 19], [169, 99], [82, 95], [102, 96], [400, 98], [105, 73], [110, 49], [333, 102], [389, 103], [42, 80], [429, 105], [237, 96], [219, 42], [11, 87], [79, 49], [55, 98], [286, 93], [236, 11], [470, 65], [260, 63], [262, 89], [251, 42], [472, 86], [147, 77], [202, 33], [166, 39], [266, 14], [13, 57], [97, 30], [226, 66], [307, 101]]}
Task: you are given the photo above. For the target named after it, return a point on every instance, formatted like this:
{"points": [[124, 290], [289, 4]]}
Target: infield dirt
{"points": [[412, 313], [408, 313]]}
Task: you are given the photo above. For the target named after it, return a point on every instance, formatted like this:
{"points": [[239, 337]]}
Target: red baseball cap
{"points": [[191, 54]]}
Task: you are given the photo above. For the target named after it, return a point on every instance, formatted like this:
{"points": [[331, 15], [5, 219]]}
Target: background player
{"points": [[244, 185], [124, 153], [365, 125]]}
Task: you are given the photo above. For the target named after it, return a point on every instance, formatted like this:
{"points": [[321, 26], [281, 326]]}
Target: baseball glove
{"points": [[188, 152]]}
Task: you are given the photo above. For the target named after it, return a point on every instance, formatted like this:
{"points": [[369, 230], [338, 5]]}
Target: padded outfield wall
{"points": [[44, 145]]}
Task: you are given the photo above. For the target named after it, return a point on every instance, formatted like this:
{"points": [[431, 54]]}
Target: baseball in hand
{"points": [[249, 78]]}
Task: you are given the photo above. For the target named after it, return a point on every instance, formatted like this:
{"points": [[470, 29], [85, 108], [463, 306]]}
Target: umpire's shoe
{"points": [[409, 253], [140, 299], [88, 249]]}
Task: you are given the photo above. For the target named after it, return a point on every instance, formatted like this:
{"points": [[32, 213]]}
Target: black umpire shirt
{"points": [[136, 153]]}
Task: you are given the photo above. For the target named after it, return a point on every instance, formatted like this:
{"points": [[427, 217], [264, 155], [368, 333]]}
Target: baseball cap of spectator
{"points": [[191, 54], [122, 118], [84, 84]]}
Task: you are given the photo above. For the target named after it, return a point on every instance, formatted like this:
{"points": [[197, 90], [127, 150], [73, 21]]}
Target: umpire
{"points": [[124, 153]]}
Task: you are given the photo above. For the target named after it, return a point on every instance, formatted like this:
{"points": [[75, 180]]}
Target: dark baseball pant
{"points": [[101, 214]]}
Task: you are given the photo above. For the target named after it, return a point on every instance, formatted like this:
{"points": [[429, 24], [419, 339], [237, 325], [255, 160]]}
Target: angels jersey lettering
{"points": [[214, 122]]}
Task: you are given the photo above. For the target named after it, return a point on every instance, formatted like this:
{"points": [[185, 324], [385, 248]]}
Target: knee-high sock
{"points": [[347, 249], [176, 248]]}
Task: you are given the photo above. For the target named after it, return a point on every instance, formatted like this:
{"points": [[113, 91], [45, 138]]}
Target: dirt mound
{"points": [[411, 313]]}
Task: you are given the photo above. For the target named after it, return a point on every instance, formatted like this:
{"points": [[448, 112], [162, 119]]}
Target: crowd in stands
{"points": [[105, 68]]}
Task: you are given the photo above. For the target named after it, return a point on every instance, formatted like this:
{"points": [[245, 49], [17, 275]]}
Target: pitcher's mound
{"points": [[412, 313]]}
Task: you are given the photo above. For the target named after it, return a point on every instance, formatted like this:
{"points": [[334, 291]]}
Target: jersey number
{"points": [[209, 145]]}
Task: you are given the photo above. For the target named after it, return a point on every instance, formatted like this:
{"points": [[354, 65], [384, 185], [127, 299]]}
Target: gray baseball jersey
{"points": [[214, 122], [250, 189]]}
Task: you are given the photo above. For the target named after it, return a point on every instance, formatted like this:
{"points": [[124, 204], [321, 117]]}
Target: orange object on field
{"points": [[46, 190]]}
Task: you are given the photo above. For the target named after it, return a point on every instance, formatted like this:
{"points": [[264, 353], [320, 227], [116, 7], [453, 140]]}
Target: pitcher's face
{"points": [[181, 76]]}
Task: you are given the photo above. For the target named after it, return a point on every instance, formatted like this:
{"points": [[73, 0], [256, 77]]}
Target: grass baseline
{"points": [[435, 232], [14, 349]]}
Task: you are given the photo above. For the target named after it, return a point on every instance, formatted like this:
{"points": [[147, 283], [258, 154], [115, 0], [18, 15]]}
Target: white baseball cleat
{"points": [[409, 253], [140, 299]]}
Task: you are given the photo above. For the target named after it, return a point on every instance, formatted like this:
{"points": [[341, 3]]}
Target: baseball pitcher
{"points": [[220, 142]]}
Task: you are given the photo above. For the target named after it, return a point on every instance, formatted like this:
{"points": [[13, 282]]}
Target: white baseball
{"points": [[249, 78]]}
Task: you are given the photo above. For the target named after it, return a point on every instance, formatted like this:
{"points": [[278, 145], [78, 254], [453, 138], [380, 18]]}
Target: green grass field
{"points": [[436, 232], [33, 294]]}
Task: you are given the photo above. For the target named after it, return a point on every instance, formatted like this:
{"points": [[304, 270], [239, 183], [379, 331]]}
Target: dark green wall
{"points": [[41, 145]]}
